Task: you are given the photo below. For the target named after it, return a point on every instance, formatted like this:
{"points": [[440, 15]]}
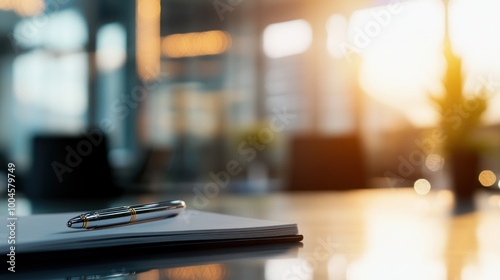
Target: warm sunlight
{"points": [[399, 247], [401, 48], [474, 31], [402, 62]]}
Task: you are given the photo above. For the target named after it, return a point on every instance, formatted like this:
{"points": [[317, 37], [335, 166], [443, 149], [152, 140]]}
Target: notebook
{"points": [[48, 233]]}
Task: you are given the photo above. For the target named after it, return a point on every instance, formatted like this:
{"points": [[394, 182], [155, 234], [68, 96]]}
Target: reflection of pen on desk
{"points": [[127, 214], [112, 275]]}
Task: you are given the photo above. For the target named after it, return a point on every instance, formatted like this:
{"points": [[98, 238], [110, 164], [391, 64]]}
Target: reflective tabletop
{"points": [[363, 234]]}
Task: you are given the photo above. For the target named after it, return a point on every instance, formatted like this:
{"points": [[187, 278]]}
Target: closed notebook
{"points": [[49, 233]]}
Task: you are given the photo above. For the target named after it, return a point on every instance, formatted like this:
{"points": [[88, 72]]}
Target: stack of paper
{"points": [[46, 233]]}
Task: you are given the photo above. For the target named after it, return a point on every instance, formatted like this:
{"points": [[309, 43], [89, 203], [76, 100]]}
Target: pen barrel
{"points": [[134, 213], [157, 210]]}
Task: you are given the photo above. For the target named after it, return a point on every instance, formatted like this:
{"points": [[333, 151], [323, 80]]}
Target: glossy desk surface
{"points": [[365, 234]]}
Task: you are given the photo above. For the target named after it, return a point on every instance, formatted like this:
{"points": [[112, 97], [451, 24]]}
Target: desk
{"points": [[364, 234]]}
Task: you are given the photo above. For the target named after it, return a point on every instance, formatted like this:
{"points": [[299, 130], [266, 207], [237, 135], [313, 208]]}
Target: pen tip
{"points": [[76, 222]]}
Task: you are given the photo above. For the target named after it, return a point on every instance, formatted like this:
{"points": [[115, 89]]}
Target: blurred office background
{"points": [[255, 96]]}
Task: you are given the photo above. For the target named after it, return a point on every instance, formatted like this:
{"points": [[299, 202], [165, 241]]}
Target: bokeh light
{"points": [[494, 200], [422, 186], [25, 8], [487, 178], [196, 44], [336, 27], [287, 38], [206, 271], [148, 39], [434, 162]]}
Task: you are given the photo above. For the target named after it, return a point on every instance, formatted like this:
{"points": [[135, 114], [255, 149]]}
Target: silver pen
{"points": [[127, 214]]}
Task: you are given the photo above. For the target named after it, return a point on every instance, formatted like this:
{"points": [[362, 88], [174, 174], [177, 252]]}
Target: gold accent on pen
{"points": [[85, 221], [134, 214]]}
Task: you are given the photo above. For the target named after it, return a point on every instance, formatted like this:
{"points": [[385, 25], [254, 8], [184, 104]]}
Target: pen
{"points": [[127, 214]]}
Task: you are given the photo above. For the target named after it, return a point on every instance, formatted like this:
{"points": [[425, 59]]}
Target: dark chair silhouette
{"points": [[70, 167], [154, 166], [326, 163]]}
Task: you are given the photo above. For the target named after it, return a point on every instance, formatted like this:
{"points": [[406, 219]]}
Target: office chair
{"points": [[153, 167], [70, 167], [326, 163]]}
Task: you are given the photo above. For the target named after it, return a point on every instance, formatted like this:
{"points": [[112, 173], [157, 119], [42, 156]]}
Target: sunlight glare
{"points": [[404, 244], [404, 63], [287, 269], [473, 29], [474, 34]]}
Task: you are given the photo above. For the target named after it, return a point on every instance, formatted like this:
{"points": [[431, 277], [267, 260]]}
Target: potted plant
{"points": [[460, 122]]}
